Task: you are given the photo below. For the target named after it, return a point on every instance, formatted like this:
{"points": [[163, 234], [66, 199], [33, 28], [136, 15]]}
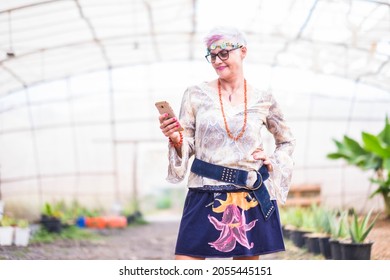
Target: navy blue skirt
{"points": [[227, 223]]}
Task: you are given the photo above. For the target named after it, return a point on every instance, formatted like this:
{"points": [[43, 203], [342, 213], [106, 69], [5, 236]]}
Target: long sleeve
{"points": [[177, 167], [281, 159], [205, 137]]}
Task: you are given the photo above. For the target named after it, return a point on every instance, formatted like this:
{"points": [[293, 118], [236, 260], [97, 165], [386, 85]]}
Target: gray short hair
{"points": [[232, 34]]}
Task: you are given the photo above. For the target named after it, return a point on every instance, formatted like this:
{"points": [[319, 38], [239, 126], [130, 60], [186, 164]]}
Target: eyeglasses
{"points": [[223, 55]]}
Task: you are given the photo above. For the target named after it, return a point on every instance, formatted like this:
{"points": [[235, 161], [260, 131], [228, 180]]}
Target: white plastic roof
{"points": [[79, 78], [47, 40]]}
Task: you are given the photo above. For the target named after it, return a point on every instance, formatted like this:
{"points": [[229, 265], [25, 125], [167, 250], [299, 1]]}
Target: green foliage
{"points": [[372, 154], [76, 210], [43, 236], [68, 213], [321, 219], [138, 221], [338, 225], [51, 210], [308, 220], [7, 221], [22, 223], [315, 218], [68, 233], [131, 208], [293, 216], [359, 228]]}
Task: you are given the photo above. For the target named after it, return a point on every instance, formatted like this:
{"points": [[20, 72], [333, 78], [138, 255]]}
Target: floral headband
{"points": [[223, 46]]}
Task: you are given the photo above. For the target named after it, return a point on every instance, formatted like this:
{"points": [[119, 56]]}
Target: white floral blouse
{"points": [[205, 137]]}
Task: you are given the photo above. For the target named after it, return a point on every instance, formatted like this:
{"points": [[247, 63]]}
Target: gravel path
{"points": [[155, 240], [151, 241]]}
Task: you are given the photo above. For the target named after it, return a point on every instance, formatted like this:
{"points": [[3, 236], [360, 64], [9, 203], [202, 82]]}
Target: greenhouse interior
{"points": [[79, 80]]}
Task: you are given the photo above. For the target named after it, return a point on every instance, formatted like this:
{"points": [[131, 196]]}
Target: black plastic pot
{"points": [[297, 237], [51, 224], [312, 244], [335, 249], [356, 251], [133, 217], [325, 247], [286, 232]]}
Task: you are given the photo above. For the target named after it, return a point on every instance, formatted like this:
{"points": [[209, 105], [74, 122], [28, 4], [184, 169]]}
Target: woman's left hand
{"points": [[259, 154]]}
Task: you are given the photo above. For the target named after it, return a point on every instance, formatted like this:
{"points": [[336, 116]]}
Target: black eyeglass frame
{"points": [[210, 59]]}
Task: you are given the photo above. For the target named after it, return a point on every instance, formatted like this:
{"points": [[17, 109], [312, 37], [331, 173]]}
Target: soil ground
{"points": [[156, 241]]}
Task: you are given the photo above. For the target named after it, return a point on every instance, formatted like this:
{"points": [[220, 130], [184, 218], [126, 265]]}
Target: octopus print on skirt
{"points": [[223, 222]]}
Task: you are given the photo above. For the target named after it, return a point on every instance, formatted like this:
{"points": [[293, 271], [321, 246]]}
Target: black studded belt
{"points": [[238, 177]]}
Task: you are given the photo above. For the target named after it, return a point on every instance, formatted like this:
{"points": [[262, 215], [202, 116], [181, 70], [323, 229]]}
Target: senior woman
{"points": [[230, 209]]}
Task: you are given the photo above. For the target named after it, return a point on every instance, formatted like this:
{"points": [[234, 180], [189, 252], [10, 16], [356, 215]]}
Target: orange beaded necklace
{"points": [[231, 136]]}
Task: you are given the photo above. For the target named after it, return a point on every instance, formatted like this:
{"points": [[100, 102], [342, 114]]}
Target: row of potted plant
{"points": [[58, 215], [350, 234], [55, 216], [334, 234], [14, 231]]}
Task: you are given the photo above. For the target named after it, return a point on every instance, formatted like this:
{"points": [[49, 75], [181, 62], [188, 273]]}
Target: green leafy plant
{"points": [[338, 225], [75, 209], [22, 223], [7, 221], [308, 221], [69, 233], [51, 211], [359, 228], [321, 219], [294, 217], [373, 154]]}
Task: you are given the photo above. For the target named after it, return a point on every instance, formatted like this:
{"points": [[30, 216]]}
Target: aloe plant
{"points": [[308, 222], [338, 225], [359, 228], [296, 217], [321, 219], [373, 154]]}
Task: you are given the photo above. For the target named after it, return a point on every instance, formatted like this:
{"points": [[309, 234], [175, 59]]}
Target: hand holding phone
{"points": [[164, 108]]}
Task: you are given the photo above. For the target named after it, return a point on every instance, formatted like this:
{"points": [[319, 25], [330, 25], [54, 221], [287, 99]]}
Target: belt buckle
{"points": [[258, 176]]}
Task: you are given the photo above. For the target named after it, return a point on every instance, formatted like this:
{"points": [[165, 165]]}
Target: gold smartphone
{"points": [[164, 108]]}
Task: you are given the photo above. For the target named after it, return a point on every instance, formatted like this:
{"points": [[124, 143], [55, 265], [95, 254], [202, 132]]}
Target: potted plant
{"points": [[6, 231], [132, 212], [373, 154], [299, 221], [285, 219], [357, 248], [311, 225], [51, 219], [319, 241], [338, 228], [22, 233]]}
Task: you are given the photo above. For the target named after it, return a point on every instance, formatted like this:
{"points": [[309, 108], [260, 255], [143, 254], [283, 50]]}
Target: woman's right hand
{"points": [[170, 127]]}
